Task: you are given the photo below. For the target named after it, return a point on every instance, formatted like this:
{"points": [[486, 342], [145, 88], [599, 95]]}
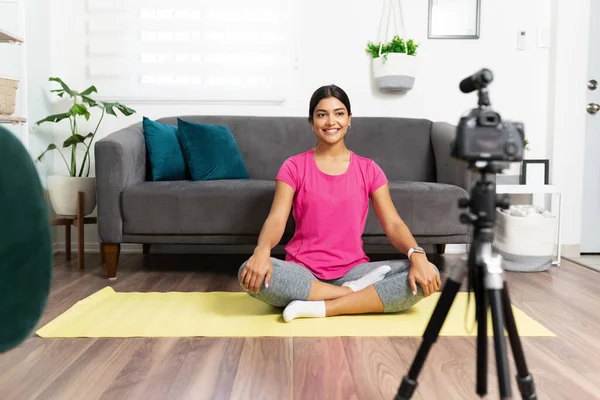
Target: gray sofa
{"points": [[425, 183]]}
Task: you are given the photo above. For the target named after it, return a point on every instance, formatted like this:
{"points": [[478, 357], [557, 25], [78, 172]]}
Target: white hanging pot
{"points": [[394, 73], [62, 191]]}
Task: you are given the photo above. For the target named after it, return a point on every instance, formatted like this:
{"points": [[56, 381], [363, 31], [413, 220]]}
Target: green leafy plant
{"points": [[82, 104], [396, 45]]}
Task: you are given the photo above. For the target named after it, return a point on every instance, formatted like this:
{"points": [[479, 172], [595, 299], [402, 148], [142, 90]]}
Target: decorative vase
{"points": [[62, 191], [396, 74]]}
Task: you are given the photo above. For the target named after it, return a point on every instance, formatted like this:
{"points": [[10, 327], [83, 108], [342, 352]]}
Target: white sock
{"points": [[300, 309], [374, 276]]}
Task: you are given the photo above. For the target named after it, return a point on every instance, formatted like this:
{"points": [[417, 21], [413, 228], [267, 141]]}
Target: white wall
{"points": [[39, 105], [330, 38]]}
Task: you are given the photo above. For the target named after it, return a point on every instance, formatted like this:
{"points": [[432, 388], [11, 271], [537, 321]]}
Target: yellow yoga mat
{"points": [[107, 313]]}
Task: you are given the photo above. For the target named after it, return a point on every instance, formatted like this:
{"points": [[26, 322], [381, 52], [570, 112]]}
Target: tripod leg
{"points": [[524, 378], [409, 382], [482, 310], [495, 296]]}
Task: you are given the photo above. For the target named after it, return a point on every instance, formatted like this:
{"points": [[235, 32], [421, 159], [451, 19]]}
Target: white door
{"points": [[590, 233]]}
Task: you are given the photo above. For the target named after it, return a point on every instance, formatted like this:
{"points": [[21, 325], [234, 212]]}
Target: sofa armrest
{"points": [[449, 169], [120, 162]]}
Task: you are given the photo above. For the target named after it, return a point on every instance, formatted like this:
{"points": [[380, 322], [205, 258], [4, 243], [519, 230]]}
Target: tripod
{"points": [[486, 278]]}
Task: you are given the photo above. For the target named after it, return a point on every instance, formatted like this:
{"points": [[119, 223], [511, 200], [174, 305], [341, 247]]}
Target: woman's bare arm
{"points": [[274, 226]]}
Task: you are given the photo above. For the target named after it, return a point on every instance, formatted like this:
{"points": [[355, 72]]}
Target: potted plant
{"points": [[62, 189], [394, 64]]}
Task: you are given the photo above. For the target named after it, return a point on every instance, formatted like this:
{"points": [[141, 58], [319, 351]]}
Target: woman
{"points": [[326, 271]]}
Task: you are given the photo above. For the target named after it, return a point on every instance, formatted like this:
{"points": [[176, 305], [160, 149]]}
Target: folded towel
{"points": [[529, 211]]}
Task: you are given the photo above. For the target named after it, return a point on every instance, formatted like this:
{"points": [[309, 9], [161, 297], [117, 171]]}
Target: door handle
{"points": [[593, 108]]}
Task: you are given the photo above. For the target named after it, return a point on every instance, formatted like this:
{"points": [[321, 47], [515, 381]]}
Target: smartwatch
{"points": [[415, 250]]}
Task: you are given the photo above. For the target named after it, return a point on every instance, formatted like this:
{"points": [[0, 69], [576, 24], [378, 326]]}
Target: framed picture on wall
{"points": [[454, 19], [535, 172]]}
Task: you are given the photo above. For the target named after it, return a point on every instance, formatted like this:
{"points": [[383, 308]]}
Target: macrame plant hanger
{"points": [[393, 72]]}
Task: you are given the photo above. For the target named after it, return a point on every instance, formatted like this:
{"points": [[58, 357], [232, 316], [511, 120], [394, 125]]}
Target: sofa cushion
{"points": [[240, 207], [218, 207], [164, 152], [427, 209], [211, 152]]}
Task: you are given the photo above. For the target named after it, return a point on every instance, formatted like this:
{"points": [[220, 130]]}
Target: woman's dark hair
{"points": [[324, 92]]}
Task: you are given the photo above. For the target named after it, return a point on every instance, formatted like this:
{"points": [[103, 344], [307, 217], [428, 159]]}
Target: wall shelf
{"points": [[8, 37], [9, 119]]}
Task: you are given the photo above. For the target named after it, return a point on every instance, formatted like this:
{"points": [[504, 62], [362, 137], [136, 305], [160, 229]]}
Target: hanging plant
{"points": [[397, 45], [394, 62]]}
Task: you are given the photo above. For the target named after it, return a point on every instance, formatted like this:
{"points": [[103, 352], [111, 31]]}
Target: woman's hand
{"points": [[423, 273], [259, 266]]}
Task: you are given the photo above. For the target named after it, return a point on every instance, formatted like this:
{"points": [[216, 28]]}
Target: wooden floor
{"points": [[566, 300]]}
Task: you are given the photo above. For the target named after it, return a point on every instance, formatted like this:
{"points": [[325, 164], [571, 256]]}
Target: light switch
{"points": [[543, 37], [521, 40]]}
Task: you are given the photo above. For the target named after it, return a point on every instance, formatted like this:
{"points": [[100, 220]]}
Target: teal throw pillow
{"points": [[211, 152], [167, 162]]}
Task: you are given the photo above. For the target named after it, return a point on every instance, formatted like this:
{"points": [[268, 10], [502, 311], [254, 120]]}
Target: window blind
{"points": [[226, 50]]}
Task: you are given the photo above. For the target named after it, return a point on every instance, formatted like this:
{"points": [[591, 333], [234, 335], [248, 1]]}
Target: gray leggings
{"points": [[291, 281]]}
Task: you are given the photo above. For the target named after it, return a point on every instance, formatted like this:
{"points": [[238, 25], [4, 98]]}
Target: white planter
{"points": [[62, 191], [396, 74]]}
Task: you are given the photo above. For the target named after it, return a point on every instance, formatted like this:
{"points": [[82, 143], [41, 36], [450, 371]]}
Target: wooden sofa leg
{"points": [[111, 254], [102, 258], [146, 248], [441, 248]]}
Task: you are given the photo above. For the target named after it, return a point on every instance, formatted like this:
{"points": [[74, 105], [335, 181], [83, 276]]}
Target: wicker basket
{"points": [[8, 95]]}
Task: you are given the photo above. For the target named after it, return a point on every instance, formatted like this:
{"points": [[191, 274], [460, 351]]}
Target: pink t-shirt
{"points": [[330, 212]]}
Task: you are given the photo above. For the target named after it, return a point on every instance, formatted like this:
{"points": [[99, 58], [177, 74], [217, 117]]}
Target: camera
{"points": [[481, 135]]}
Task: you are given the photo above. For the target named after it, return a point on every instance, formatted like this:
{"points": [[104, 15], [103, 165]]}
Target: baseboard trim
{"points": [[132, 248], [94, 248], [570, 250]]}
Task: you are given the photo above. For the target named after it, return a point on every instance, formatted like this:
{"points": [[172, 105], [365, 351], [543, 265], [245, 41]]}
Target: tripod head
{"points": [[483, 201]]}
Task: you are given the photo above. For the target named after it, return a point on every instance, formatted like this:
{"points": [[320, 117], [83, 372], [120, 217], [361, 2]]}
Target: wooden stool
{"points": [[79, 221]]}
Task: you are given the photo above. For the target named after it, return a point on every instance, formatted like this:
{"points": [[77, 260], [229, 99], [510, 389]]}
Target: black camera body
{"points": [[481, 135]]}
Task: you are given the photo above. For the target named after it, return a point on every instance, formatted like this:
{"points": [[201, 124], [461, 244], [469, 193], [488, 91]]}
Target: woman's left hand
{"points": [[423, 273]]}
